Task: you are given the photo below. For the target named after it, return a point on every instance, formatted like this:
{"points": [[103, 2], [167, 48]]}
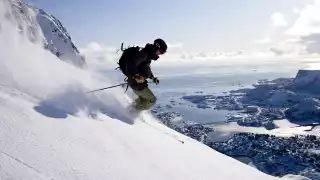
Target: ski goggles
{"points": [[162, 51]]}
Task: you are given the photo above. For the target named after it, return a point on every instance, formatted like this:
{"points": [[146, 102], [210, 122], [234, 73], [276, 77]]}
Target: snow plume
{"points": [[23, 17], [30, 69]]}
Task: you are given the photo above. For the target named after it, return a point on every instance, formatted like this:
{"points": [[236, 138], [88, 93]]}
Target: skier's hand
{"points": [[139, 78], [155, 80]]}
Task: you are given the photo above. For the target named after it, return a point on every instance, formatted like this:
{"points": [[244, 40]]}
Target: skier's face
{"points": [[160, 52]]}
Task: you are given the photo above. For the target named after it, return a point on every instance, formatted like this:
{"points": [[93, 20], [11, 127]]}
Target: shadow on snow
{"points": [[73, 101]]}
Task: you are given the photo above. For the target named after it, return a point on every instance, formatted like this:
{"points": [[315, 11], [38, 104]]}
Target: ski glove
{"points": [[138, 78], [155, 80]]}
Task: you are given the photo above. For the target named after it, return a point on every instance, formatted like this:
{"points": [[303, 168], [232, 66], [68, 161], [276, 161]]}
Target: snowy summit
{"points": [[45, 28]]}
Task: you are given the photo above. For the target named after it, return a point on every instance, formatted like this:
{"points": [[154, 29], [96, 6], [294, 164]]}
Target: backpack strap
{"points": [[126, 80], [121, 48]]}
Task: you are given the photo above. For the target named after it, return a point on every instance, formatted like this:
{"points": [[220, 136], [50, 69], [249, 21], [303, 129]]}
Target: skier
{"points": [[136, 66]]}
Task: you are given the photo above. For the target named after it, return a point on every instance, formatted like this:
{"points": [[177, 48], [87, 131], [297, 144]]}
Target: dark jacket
{"points": [[140, 64]]}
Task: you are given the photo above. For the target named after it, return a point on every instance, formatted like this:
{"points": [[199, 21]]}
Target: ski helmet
{"points": [[160, 44]]}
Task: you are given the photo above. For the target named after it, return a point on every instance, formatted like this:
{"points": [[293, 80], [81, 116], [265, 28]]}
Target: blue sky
{"points": [[203, 25]]}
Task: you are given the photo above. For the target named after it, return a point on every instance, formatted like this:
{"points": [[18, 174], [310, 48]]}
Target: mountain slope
{"points": [[41, 27], [83, 148], [51, 129]]}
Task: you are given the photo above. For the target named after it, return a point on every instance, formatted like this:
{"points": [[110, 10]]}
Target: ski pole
{"points": [[107, 87]]}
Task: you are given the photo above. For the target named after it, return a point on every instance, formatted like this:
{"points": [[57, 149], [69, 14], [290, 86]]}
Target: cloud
{"points": [[312, 43], [265, 40], [97, 54], [301, 39], [290, 47], [272, 36], [278, 20], [308, 22], [203, 56], [175, 45], [277, 51], [296, 10], [94, 46], [307, 28]]}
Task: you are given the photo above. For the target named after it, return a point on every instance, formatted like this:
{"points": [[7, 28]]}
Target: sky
{"points": [[194, 26]]}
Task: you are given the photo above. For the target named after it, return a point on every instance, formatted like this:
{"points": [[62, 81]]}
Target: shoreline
{"points": [[225, 131]]}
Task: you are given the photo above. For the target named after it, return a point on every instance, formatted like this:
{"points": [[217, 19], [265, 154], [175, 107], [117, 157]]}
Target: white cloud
{"points": [[265, 40], [292, 40], [277, 51], [289, 47], [225, 55], [308, 22], [278, 20], [272, 35], [296, 10], [175, 45], [307, 28], [98, 54], [94, 46], [312, 43]]}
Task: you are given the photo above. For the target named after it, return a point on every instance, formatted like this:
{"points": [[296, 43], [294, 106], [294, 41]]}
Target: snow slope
{"points": [[50, 129], [34, 146]]}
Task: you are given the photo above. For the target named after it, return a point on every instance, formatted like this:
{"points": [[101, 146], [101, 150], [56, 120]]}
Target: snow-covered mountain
{"points": [[42, 27]]}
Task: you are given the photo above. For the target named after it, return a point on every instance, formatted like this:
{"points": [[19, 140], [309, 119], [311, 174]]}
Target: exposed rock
{"points": [[308, 109]]}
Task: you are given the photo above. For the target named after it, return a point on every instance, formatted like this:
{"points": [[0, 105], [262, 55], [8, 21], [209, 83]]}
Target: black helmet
{"points": [[160, 44]]}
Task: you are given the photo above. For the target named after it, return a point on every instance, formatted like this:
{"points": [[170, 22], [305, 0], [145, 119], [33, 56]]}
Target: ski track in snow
{"points": [[8, 158]]}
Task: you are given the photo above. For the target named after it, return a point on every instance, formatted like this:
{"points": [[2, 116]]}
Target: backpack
{"points": [[127, 56]]}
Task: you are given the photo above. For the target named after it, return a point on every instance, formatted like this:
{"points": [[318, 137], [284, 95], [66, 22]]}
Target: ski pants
{"points": [[146, 99]]}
